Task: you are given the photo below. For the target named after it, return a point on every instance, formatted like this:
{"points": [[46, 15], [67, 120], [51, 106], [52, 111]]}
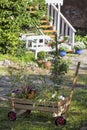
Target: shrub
{"points": [[79, 45], [41, 55], [64, 47], [81, 39]]}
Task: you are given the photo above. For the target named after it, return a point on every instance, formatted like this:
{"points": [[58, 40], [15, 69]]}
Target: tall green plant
{"points": [[81, 39], [59, 66], [13, 15], [59, 69]]}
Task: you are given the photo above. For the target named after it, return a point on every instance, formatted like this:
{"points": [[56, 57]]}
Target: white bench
{"points": [[38, 43]]}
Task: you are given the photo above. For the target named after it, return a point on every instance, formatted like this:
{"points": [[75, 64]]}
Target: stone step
{"points": [[47, 31], [45, 26], [44, 21], [52, 36]]}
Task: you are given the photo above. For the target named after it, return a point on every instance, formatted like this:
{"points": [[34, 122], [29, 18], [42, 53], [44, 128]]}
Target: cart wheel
{"points": [[60, 120], [12, 116], [28, 111]]}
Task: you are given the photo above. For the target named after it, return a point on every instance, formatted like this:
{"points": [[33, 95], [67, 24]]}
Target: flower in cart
{"points": [[15, 92], [24, 92], [62, 97], [54, 95], [28, 91]]}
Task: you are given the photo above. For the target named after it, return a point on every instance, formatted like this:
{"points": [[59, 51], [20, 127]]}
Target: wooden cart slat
{"points": [[59, 107], [55, 107], [50, 103]]}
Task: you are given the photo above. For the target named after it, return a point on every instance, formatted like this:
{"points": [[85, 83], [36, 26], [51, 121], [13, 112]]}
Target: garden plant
{"points": [[15, 19]]}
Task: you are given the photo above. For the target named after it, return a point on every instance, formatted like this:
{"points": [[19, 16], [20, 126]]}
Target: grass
{"points": [[3, 70], [76, 116], [28, 56]]}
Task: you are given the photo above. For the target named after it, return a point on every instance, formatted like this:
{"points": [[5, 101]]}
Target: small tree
{"points": [[60, 66]]}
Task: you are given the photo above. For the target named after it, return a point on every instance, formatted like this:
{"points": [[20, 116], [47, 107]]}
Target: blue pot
{"points": [[79, 52], [62, 53]]}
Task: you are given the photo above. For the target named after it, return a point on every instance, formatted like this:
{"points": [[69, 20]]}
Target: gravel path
{"points": [[5, 80]]}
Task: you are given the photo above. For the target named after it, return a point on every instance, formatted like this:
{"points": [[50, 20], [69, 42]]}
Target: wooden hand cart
{"points": [[58, 108]]}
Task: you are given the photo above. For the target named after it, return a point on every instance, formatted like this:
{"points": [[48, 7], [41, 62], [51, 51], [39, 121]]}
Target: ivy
{"points": [[16, 19], [81, 39]]}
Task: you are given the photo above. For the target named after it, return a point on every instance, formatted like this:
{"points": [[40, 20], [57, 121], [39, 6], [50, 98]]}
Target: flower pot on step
{"points": [[79, 52], [62, 53], [47, 64]]}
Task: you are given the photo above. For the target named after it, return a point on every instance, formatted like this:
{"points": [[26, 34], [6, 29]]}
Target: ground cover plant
{"points": [[15, 19]]}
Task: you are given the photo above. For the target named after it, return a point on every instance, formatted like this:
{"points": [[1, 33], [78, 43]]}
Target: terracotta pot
{"points": [[47, 64]]}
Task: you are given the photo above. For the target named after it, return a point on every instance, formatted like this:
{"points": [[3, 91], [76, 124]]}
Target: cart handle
{"points": [[73, 86], [74, 80], [76, 74]]}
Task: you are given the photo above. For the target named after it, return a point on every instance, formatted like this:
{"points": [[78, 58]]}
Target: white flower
{"points": [[13, 94], [61, 39], [61, 97], [40, 100], [79, 45], [12, 17], [53, 96]]}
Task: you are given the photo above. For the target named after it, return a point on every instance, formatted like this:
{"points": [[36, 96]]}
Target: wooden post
{"points": [[13, 105]]}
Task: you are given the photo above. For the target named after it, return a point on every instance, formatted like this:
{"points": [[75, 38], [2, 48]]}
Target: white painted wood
{"points": [[67, 22], [34, 42], [54, 2], [66, 28], [58, 31], [48, 11], [55, 21], [62, 27], [73, 39], [38, 43]]}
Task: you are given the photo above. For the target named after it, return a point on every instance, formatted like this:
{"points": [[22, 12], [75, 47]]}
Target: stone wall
{"points": [[76, 12]]}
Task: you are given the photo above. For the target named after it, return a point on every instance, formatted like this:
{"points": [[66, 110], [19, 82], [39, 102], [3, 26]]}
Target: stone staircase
{"points": [[47, 29], [53, 23], [58, 24], [44, 26]]}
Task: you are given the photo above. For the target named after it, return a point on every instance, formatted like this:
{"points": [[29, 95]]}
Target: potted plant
{"points": [[79, 46], [63, 48], [42, 60], [63, 39], [41, 56], [47, 63]]}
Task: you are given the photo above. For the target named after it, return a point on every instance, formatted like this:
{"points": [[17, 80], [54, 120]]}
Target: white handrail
{"points": [[60, 23], [64, 18], [54, 2], [74, 30]]}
